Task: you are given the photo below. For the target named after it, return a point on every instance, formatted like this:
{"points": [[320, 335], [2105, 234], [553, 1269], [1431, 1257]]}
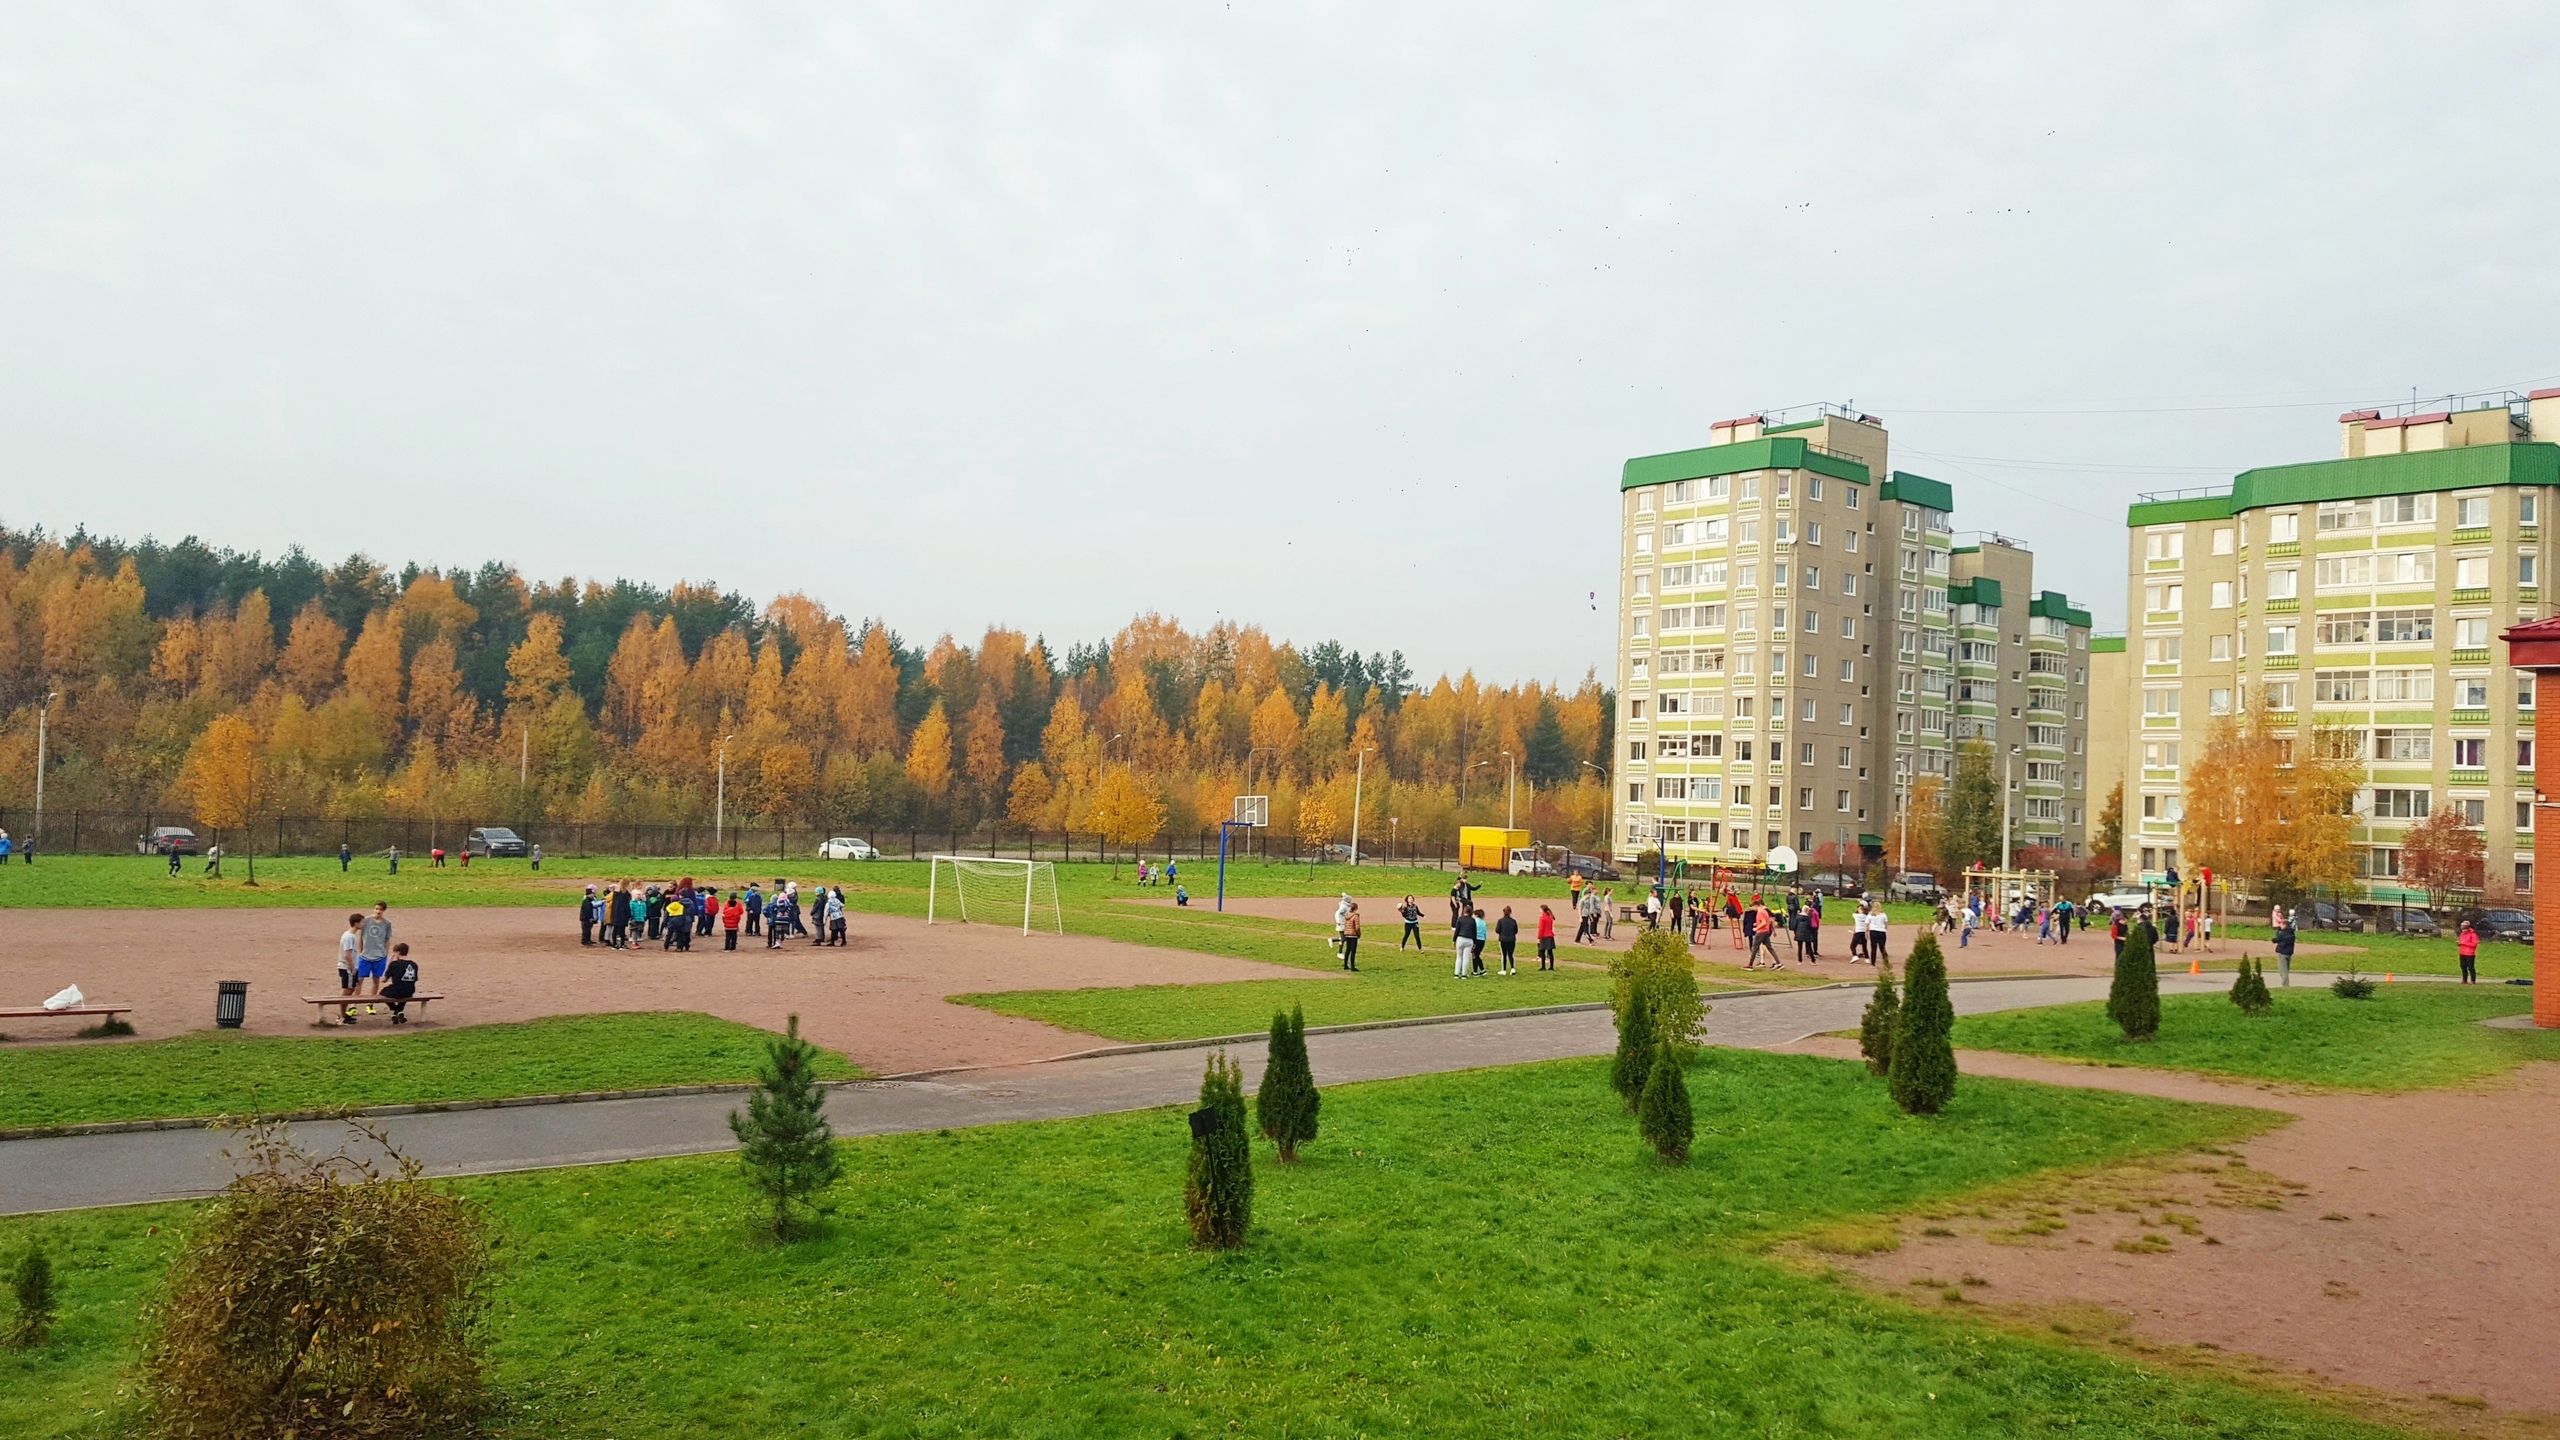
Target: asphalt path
{"points": [[82, 1171]]}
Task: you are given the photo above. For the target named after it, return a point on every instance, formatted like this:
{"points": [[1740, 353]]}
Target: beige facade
{"points": [[2366, 592]]}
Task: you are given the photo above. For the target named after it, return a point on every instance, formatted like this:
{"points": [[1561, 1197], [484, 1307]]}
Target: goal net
{"points": [[1020, 893]]}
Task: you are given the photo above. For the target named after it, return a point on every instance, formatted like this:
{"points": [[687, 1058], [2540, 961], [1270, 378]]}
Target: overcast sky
{"points": [[1337, 318]]}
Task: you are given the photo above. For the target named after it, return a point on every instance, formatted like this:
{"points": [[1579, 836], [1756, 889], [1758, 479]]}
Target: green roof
{"points": [[1980, 590], [2057, 605], [1783, 429], [1783, 452], [1919, 490], [2460, 468], [2106, 644]]}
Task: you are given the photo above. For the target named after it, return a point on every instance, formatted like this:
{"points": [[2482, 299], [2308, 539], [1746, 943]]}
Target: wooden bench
{"points": [[37, 1012], [321, 1003]]}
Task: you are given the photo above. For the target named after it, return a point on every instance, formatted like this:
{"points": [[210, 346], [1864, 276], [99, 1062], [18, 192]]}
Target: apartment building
{"points": [[2022, 688], [1788, 653], [2365, 591], [2111, 690]]}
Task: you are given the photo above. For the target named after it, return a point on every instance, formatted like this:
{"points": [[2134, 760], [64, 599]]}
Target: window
{"points": [[1910, 522], [2471, 633], [2162, 599], [1746, 576], [1843, 804], [2407, 684], [2410, 567], [1707, 617], [1670, 787], [2336, 572], [2382, 862], [1847, 757], [1741, 794], [2406, 510], [1644, 542], [2471, 512], [1679, 492], [2471, 572], [1852, 496], [2276, 694], [1718, 486], [2524, 814], [2470, 692], [2160, 754], [2219, 647], [2405, 627], [2220, 594], [2154, 702], [2474, 813], [2165, 545], [1783, 529], [2284, 528], [2394, 803], [1706, 787], [2342, 687], [2222, 540], [1711, 574], [2217, 701], [2526, 572], [1848, 672], [2524, 690], [1804, 797], [1786, 478], [1750, 488], [1810, 577], [1641, 626], [2159, 649], [1672, 705], [2524, 752], [1813, 532], [2164, 807], [2345, 515], [2526, 509], [2346, 629], [2280, 639], [2403, 743], [1746, 532], [1777, 617], [2470, 753], [2281, 584], [1638, 668], [1635, 709], [1812, 715], [1635, 793]]}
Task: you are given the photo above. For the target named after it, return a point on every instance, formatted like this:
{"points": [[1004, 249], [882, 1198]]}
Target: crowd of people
{"points": [[630, 914]]}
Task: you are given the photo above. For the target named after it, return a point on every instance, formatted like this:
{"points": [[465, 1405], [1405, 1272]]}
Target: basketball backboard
{"points": [[1254, 810]]}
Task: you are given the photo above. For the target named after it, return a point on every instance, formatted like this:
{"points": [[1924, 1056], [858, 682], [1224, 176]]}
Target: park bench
{"points": [[38, 1012], [320, 1003]]}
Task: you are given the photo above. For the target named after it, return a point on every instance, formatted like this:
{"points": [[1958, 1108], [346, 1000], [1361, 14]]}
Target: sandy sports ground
{"points": [[2391, 1241], [1991, 953], [879, 999]]}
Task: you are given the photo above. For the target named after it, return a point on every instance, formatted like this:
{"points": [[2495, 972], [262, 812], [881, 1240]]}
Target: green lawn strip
{"points": [[1432, 1268], [213, 1073], [2407, 1037]]}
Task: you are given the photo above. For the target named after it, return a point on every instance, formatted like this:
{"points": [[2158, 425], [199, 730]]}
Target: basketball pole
{"points": [[1223, 827]]}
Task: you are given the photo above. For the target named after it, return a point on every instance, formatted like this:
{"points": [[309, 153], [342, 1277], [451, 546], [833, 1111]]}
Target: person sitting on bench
{"points": [[401, 984]]}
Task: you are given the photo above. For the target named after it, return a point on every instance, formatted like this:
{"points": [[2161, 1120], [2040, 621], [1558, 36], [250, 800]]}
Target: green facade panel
{"points": [[1780, 452], [1918, 490], [2462, 467]]}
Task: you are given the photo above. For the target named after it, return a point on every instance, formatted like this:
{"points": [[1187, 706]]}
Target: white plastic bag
{"points": [[68, 999]]}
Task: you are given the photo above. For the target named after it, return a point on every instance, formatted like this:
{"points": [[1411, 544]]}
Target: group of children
{"points": [[627, 914], [367, 957]]}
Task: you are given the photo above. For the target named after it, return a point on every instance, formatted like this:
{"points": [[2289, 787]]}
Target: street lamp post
{"points": [[720, 801], [1359, 771], [1391, 839], [1510, 795], [44, 710], [2006, 804]]}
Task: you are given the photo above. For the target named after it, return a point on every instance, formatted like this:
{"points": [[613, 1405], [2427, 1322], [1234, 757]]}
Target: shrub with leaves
{"points": [[1217, 1190], [1658, 966], [1663, 1114], [318, 1296], [2249, 991], [784, 1142], [1287, 1103], [2133, 1001], [2352, 985], [1876, 1025], [1922, 1071], [1636, 1044], [31, 1282]]}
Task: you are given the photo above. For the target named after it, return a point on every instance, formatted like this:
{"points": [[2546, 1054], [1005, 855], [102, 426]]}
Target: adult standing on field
{"points": [[1546, 937], [346, 856], [1507, 931], [1351, 939], [2466, 947], [1411, 914], [2283, 920], [1462, 935], [373, 951]]}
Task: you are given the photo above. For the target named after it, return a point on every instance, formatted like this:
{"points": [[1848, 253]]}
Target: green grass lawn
{"points": [[1483, 1254], [213, 1073], [2407, 1037]]}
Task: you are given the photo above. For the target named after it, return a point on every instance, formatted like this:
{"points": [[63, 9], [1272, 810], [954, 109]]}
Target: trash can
{"points": [[230, 1003]]}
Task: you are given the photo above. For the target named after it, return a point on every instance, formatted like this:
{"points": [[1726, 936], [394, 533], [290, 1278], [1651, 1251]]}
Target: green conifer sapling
{"points": [[1921, 1073], [1875, 1027], [1287, 1103], [1664, 1114], [785, 1144], [2133, 1001], [1217, 1188], [1636, 1044]]}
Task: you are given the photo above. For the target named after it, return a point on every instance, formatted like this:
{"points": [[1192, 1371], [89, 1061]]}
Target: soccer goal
{"points": [[996, 892]]}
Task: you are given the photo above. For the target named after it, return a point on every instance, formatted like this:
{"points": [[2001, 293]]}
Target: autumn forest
{"points": [[188, 680]]}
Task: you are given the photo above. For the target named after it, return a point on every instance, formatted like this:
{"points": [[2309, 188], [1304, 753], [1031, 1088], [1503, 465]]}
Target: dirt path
{"points": [[2399, 1242], [879, 999]]}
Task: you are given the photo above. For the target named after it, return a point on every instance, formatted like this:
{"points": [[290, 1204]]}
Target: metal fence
{"points": [[128, 832]]}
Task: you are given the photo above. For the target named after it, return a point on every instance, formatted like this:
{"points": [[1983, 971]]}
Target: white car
{"points": [[2122, 900], [845, 847]]}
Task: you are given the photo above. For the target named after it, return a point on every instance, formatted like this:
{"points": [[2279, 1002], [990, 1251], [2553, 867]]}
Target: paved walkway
{"points": [[75, 1172]]}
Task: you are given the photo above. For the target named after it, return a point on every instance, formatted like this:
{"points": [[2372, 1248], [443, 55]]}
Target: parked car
{"points": [[1839, 884], [2121, 900], [2326, 915], [165, 839], [1530, 862], [1589, 867], [2395, 921], [1917, 885], [1341, 855], [2511, 925], [494, 840], [845, 847]]}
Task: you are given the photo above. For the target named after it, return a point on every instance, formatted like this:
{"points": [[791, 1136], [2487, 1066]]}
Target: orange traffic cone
{"points": [[2386, 977], [2195, 967]]}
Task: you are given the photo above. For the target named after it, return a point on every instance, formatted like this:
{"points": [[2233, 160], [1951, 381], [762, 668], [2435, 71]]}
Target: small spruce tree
{"points": [[1217, 1189], [1875, 1027], [1636, 1043], [1664, 1114], [2133, 1002], [1921, 1072], [785, 1144], [2249, 991], [32, 1282], [1287, 1102]]}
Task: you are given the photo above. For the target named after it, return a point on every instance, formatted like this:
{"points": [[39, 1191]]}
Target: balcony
{"points": [[2283, 662], [2474, 535], [2472, 595], [2284, 607], [2479, 656], [2468, 717], [2164, 617], [2289, 547]]}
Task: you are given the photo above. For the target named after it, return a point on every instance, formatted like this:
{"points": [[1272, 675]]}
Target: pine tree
{"points": [[2133, 1002], [786, 1145], [1922, 1070], [1287, 1103], [1636, 1043], [2249, 991], [1217, 1190], [32, 1282], [1875, 1027], [1663, 1115]]}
